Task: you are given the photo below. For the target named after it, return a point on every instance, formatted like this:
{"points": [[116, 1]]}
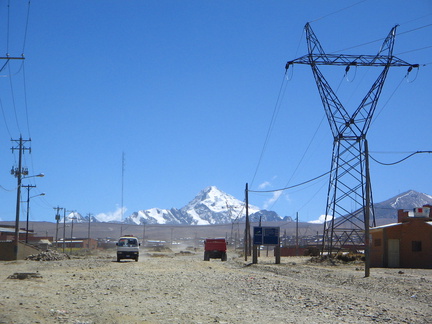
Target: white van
{"points": [[127, 248]]}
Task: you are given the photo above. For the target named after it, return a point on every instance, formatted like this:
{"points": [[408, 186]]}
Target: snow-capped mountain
{"points": [[210, 206], [78, 218], [406, 200], [213, 206], [156, 216], [386, 211]]}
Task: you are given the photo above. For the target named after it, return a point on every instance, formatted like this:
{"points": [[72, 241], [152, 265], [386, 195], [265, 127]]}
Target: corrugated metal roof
{"points": [[384, 226], [10, 230], [393, 224]]}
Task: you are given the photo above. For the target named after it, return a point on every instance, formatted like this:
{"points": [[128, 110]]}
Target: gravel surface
{"points": [[182, 288]]}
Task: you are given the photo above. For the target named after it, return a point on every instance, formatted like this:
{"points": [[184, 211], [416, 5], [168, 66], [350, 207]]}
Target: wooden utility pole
{"points": [[247, 243], [18, 173], [28, 209], [122, 193], [64, 229], [297, 245], [88, 236], [57, 218], [367, 212]]}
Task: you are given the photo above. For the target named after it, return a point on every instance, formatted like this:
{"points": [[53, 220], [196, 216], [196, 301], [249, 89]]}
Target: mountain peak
{"points": [[409, 199], [210, 206], [210, 191], [406, 200]]}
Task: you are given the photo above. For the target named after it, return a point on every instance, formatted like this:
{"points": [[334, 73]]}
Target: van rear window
{"points": [[128, 242]]}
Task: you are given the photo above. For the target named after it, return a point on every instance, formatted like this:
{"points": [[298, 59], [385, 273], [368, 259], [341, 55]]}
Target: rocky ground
{"points": [[169, 287]]}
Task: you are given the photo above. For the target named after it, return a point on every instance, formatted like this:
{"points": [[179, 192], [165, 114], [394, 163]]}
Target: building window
{"points": [[416, 246], [377, 242]]}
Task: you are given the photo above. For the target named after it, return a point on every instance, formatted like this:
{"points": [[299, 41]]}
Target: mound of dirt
{"points": [[48, 255]]}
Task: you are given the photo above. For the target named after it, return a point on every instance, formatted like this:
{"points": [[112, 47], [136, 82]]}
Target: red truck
{"points": [[215, 249]]}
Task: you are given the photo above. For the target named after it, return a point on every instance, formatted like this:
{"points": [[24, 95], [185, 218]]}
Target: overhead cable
{"points": [[381, 39], [337, 11], [26, 27], [13, 99], [4, 118], [290, 187], [405, 158], [322, 175], [270, 128], [388, 100]]}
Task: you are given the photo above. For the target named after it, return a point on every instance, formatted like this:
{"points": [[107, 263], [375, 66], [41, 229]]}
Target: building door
{"points": [[393, 253]]}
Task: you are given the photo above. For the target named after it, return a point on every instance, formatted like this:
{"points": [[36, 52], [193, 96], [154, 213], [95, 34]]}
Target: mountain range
{"points": [[212, 207]]}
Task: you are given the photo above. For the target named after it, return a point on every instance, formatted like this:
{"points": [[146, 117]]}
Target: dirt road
{"points": [[181, 288]]}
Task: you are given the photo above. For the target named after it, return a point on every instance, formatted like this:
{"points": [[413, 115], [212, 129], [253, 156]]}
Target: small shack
{"points": [[405, 244]]}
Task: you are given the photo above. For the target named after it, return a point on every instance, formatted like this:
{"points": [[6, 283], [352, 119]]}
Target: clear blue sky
{"points": [[187, 89]]}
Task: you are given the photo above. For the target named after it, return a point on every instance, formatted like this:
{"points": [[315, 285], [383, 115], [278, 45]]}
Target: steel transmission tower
{"points": [[349, 183]]}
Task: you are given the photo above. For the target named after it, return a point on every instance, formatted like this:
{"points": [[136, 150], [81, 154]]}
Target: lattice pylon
{"points": [[349, 209]]}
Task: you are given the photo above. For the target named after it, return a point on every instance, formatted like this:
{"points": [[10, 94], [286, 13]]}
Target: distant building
{"points": [[405, 244], [77, 243], [7, 246], [7, 233]]}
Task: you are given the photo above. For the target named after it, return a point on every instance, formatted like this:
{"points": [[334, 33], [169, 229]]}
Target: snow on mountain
{"points": [[78, 218], [387, 210], [406, 200], [411, 199], [155, 216], [213, 206], [210, 206]]}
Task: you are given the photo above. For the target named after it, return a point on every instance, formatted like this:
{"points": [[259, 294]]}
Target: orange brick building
{"points": [[405, 244]]}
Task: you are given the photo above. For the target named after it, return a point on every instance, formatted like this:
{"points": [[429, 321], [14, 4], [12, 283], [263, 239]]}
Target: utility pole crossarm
{"points": [[349, 60], [8, 58], [317, 56]]}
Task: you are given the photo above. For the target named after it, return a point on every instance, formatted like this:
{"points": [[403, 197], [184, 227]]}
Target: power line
{"points": [[380, 39], [271, 125], [397, 162], [307, 149], [388, 100], [25, 100], [337, 11], [4, 118], [8, 27], [290, 187], [10, 190], [26, 26], [13, 99], [281, 93], [415, 50]]}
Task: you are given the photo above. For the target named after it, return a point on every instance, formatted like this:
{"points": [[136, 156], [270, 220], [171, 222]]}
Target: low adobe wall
{"points": [[7, 251]]}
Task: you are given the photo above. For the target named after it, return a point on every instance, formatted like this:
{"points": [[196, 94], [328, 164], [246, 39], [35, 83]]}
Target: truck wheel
{"points": [[118, 259], [136, 259], [206, 256], [224, 256]]}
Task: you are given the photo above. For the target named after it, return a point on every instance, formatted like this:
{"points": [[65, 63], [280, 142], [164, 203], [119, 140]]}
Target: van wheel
{"points": [[118, 259], [136, 259]]}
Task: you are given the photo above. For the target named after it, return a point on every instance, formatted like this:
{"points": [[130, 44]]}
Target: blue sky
{"points": [[187, 89]]}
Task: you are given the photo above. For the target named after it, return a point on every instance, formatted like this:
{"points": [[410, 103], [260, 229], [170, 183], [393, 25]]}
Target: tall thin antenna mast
{"points": [[122, 184]]}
